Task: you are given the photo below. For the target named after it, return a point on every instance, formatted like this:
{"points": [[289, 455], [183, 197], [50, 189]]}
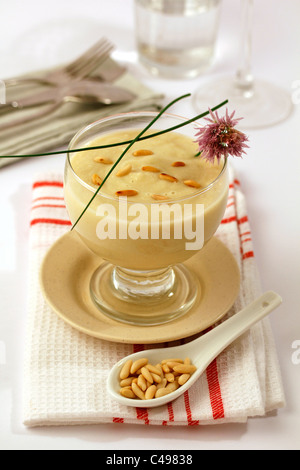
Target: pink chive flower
{"points": [[220, 138]]}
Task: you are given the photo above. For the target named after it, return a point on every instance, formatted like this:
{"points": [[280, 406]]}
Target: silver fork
{"points": [[80, 91], [79, 68], [111, 71]]}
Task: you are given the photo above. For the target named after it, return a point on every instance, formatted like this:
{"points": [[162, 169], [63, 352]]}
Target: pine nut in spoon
{"points": [[202, 351]]}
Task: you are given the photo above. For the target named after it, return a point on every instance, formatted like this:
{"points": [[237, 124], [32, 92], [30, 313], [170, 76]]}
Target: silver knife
{"points": [[83, 91]]}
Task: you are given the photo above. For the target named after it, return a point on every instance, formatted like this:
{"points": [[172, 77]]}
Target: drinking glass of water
{"points": [[176, 38]]}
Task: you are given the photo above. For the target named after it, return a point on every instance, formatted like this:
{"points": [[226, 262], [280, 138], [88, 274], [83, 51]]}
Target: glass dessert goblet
{"points": [[159, 206]]}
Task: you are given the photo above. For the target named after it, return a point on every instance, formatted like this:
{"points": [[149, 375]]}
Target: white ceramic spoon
{"points": [[202, 351]]}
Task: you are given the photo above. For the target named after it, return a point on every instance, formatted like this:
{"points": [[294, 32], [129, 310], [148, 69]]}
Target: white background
{"points": [[35, 34]]}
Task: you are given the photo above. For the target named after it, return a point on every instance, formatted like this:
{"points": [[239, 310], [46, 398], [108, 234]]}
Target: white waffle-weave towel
{"points": [[65, 370]]}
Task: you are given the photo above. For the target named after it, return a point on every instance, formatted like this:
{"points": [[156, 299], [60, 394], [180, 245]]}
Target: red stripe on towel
{"points": [[142, 413], [118, 420], [249, 254], [229, 219], [171, 412], [50, 221], [48, 197], [245, 233], [190, 420], [39, 184], [171, 415], [215, 391], [61, 206], [242, 220], [138, 348], [246, 240]]}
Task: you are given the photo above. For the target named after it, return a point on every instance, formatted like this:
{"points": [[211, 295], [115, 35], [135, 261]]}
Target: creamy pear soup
{"points": [[156, 175]]}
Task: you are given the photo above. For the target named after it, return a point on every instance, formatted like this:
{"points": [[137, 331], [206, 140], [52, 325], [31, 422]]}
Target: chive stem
{"points": [[58, 152]]}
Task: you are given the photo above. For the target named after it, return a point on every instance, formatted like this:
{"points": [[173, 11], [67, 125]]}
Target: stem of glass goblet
{"points": [[244, 77], [145, 284]]}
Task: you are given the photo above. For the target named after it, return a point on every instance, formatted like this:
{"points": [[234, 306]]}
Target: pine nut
{"points": [[172, 386], [127, 192], [192, 184], [162, 384], [166, 368], [137, 391], [161, 392], [125, 371], [151, 169], [127, 393], [178, 164], [105, 161], [150, 392], [126, 382], [142, 382], [96, 179], [185, 368], [164, 361], [172, 364], [142, 153], [170, 178], [138, 364], [124, 171], [183, 379], [147, 374], [170, 377], [156, 378], [153, 369], [158, 197]]}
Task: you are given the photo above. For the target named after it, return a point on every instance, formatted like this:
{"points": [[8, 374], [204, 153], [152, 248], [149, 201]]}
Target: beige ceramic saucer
{"points": [[69, 265]]}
